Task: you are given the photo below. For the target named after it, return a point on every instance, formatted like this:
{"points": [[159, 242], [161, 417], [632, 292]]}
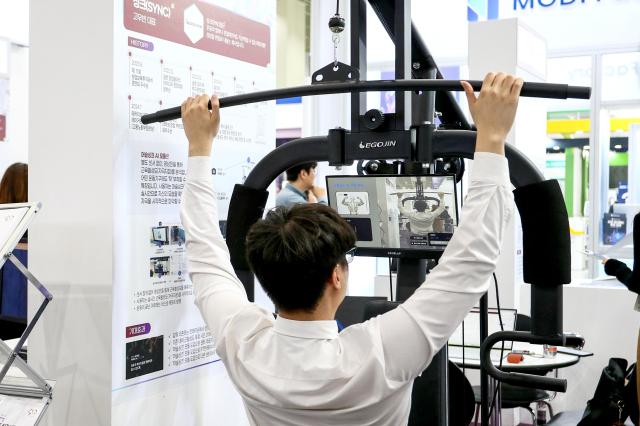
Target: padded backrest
{"points": [[378, 307], [523, 322]]}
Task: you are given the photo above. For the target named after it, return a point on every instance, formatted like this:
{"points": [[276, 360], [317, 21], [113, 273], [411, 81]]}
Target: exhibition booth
{"points": [[89, 98]]}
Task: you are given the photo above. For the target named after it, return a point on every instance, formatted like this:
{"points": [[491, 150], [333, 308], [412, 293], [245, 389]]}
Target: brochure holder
{"points": [[24, 394]]}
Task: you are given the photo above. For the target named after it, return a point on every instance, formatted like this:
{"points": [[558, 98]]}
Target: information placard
{"points": [[9, 221], [165, 52], [14, 220]]}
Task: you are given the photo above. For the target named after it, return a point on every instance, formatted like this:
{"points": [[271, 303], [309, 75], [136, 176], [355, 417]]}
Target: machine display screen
{"points": [[397, 215]]}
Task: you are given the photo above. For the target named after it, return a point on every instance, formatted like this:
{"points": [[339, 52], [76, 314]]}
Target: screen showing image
{"points": [[397, 212], [160, 234], [353, 203]]}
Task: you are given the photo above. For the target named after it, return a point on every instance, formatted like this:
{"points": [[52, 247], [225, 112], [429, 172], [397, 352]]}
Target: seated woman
{"points": [[13, 285]]}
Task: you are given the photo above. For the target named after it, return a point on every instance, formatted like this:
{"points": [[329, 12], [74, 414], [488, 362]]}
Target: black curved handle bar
{"points": [[446, 143], [532, 90], [520, 379], [434, 199]]}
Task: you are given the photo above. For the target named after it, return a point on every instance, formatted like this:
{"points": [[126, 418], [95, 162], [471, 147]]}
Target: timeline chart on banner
{"points": [[164, 54]]}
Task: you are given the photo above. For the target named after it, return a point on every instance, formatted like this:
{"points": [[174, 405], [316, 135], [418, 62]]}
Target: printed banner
{"points": [[158, 331], [201, 25]]}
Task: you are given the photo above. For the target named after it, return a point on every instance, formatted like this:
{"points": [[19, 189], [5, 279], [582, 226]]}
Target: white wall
{"points": [[442, 26], [14, 30], [579, 25], [15, 147], [291, 61], [14, 20], [70, 242]]}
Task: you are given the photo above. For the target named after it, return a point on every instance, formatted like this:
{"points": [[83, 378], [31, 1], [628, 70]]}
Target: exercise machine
{"points": [[413, 141]]}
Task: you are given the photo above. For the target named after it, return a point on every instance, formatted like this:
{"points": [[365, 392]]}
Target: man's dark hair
{"points": [[420, 205], [293, 172], [293, 252]]}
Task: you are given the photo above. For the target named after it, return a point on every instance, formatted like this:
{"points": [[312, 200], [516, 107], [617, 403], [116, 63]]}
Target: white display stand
{"points": [[129, 345], [24, 394]]}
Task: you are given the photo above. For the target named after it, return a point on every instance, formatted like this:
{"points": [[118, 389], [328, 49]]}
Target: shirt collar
{"points": [[306, 329], [296, 190]]}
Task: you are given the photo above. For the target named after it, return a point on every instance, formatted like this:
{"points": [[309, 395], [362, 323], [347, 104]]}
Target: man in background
{"points": [[300, 187]]}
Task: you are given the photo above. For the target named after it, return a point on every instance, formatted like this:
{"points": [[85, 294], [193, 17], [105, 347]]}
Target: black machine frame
{"points": [[250, 199], [416, 142]]}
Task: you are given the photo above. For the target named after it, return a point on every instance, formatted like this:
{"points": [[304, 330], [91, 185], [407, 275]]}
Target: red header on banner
{"points": [[201, 25], [3, 128]]}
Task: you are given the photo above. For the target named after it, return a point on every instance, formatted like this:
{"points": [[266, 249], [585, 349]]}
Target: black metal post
{"points": [[546, 310], [484, 377], [424, 103], [436, 375], [430, 100], [411, 274], [358, 26], [402, 41], [424, 111]]}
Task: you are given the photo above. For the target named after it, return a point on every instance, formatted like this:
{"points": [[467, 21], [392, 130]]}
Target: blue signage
{"points": [[482, 10], [530, 4]]}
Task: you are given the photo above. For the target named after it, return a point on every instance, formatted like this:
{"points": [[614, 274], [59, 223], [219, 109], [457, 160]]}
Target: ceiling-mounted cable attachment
{"points": [[336, 25], [336, 72], [336, 22]]}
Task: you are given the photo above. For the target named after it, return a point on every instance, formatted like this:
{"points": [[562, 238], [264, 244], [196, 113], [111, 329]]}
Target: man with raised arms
{"points": [[297, 369]]}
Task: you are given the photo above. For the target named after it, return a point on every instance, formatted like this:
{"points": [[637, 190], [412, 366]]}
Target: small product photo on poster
{"points": [[159, 267], [144, 356], [177, 235], [159, 236]]}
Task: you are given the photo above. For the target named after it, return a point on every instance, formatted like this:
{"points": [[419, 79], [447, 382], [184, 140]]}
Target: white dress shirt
{"points": [[305, 372]]}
